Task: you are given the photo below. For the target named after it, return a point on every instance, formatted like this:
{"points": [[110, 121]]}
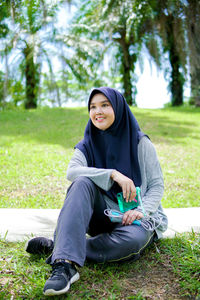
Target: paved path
{"points": [[21, 224]]}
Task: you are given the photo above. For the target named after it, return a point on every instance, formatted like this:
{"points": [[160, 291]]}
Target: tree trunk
{"points": [[195, 87], [32, 79], [127, 66], [5, 85], [176, 84], [127, 84], [193, 21], [177, 79]]}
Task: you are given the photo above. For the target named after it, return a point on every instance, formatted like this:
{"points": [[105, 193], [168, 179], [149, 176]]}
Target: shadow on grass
{"points": [[65, 127], [162, 127]]}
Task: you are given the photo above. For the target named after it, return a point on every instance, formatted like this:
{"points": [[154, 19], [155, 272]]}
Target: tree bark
{"points": [[127, 66], [127, 84], [177, 80], [32, 78], [5, 85], [193, 21]]}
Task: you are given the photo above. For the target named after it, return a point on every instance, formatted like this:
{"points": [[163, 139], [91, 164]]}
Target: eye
{"points": [[105, 105], [92, 107]]}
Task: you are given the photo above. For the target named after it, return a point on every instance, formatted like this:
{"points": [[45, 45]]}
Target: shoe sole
{"points": [[52, 292]]}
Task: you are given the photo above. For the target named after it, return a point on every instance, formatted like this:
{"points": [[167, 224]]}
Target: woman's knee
{"points": [[82, 188], [82, 181], [121, 245]]}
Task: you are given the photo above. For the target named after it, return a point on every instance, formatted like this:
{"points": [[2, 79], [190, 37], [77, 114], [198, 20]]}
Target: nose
{"points": [[99, 109]]}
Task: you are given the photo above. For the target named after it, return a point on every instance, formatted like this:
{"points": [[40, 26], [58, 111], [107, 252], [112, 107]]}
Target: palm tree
{"points": [[30, 32], [34, 39], [192, 12], [178, 24], [4, 14], [153, 21], [119, 25], [167, 25]]}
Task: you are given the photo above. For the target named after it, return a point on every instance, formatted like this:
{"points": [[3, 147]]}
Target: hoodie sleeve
{"points": [[78, 167], [152, 178]]}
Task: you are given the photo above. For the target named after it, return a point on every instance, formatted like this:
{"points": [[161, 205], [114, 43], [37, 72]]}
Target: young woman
{"points": [[114, 156]]}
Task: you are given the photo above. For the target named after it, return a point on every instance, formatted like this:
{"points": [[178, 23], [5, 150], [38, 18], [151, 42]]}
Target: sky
{"points": [[152, 87]]}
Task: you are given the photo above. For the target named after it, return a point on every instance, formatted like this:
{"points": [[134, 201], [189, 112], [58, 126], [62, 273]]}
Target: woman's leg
{"points": [[73, 221], [123, 243], [82, 201]]}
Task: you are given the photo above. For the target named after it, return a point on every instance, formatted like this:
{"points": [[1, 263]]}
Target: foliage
{"points": [[120, 25], [54, 62], [164, 25], [169, 25], [17, 90], [176, 24], [26, 43], [37, 42], [160, 27], [4, 13]]}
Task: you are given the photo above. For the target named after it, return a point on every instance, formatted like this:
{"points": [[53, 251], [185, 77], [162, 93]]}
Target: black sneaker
{"points": [[63, 275], [39, 245]]}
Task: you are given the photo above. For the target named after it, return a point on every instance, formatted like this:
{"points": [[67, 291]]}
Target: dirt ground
{"points": [[158, 282]]}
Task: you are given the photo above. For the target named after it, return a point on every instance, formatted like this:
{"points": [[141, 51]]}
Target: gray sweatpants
{"points": [[82, 212]]}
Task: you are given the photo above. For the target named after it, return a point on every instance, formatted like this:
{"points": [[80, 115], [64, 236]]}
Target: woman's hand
{"points": [[130, 216], [127, 185]]}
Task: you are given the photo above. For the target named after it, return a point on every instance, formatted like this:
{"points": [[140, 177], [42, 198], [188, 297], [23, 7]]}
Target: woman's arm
{"points": [[152, 182], [152, 178], [78, 167], [127, 185]]}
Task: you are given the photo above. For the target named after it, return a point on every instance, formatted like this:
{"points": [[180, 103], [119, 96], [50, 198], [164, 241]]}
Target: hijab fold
{"points": [[116, 147]]}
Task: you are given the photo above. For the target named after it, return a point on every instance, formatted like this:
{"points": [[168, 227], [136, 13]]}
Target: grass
{"points": [[36, 146], [169, 269]]}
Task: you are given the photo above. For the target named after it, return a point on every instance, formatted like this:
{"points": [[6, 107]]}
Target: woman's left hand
{"points": [[130, 216]]}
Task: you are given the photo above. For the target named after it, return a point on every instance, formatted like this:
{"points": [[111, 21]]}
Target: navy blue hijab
{"points": [[117, 146]]}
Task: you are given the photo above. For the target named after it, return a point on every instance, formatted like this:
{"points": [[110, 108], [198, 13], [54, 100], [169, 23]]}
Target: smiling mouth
{"points": [[100, 119]]}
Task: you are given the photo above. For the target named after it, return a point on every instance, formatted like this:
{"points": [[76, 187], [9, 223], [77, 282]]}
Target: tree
{"points": [[32, 76], [178, 22], [28, 35], [120, 25], [4, 14], [1, 87], [192, 12], [177, 66], [167, 26], [154, 21], [34, 40]]}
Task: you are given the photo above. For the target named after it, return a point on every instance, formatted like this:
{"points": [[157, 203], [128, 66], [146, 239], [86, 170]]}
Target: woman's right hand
{"points": [[127, 185]]}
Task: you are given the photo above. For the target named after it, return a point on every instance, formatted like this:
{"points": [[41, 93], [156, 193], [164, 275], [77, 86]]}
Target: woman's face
{"points": [[101, 112]]}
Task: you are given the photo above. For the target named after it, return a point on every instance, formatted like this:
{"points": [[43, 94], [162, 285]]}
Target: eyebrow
{"points": [[104, 101]]}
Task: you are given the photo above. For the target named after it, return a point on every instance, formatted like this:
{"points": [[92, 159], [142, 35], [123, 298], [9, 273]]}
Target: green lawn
{"points": [[167, 270], [36, 146]]}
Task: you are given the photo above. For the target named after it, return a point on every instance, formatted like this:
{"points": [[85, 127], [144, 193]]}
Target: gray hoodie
{"points": [[152, 187]]}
